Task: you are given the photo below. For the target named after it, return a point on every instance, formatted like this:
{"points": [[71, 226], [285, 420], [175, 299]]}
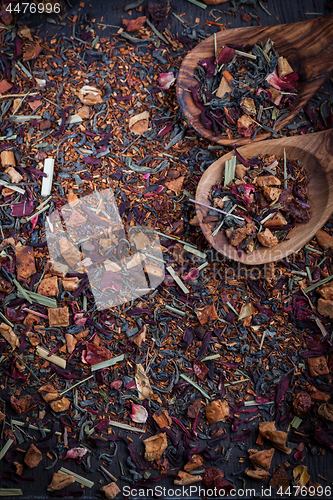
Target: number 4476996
{"points": [[33, 8], [305, 491]]}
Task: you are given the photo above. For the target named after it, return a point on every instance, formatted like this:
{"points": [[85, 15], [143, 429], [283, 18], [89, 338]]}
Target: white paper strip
{"points": [[47, 181]]}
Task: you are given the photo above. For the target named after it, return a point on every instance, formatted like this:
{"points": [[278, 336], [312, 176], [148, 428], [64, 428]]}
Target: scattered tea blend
{"points": [[262, 199], [243, 89]]}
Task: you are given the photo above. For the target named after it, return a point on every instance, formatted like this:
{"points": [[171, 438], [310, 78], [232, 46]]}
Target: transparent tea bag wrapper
{"points": [[89, 238]]}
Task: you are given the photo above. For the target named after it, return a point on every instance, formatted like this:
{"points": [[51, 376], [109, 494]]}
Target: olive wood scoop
{"points": [[308, 46], [316, 152]]}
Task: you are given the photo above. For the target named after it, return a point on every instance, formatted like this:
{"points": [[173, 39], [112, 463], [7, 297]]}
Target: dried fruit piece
{"points": [[58, 316], [8, 333], [238, 235], [32, 457], [155, 446], [217, 411], [194, 408], [70, 342], [186, 479], [326, 411], [48, 392], [245, 125], [20, 404], [7, 157], [110, 490], [325, 307], [301, 475], [325, 240], [246, 311], [267, 239], [206, 314], [280, 478], [317, 366], [49, 287], [284, 67], [248, 106], [200, 369], [25, 262], [262, 458], [134, 24], [61, 405], [272, 194], [13, 174], [19, 468], [318, 396], [69, 252], [258, 474], [196, 462], [277, 438], [31, 52], [326, 291], [302, 404], [211, 473], [70, 284], [162, 418], [267, 180], [139, 124], [276, 221], [224, 88], [90, 95]]}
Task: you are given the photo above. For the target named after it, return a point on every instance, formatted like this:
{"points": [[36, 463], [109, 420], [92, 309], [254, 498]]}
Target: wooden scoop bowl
{"points": [[316, 153], [308, 46]]}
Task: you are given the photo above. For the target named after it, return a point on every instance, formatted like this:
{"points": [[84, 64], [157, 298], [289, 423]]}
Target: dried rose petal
{"points": [[76, 453], [166, 80], [287, 82]]}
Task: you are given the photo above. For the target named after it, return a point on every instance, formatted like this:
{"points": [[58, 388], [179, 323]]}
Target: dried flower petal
{"points": [[76, 453], [166, 80]]}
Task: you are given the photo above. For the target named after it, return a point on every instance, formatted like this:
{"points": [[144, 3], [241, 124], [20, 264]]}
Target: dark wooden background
{"points": [[282, 11]]}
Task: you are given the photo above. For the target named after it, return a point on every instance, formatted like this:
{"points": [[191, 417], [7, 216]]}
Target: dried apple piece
{"points": [[60, 481], [217, 411], [155, 446]]}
